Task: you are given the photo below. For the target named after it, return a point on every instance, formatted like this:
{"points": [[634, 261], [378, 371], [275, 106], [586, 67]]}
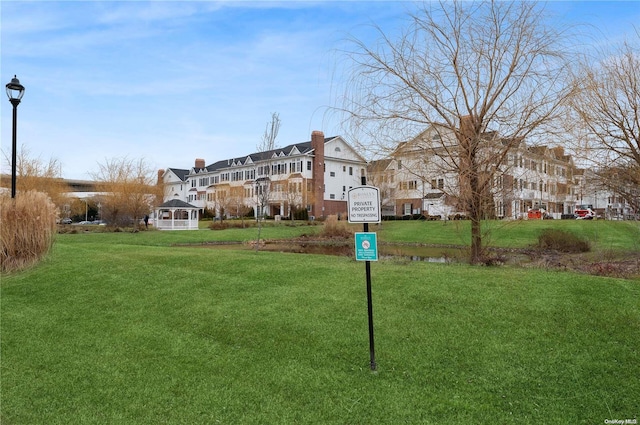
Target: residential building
{"points": [[592, 191], [421, 177], [314, 175]]}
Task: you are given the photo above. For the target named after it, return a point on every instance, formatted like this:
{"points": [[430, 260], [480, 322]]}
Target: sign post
{"points": [[364, 207]]}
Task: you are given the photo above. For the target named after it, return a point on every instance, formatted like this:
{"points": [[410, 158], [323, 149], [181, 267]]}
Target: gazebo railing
{"points": [[167, 224]]}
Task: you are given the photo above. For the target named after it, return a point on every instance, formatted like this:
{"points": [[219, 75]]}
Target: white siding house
{"points": [[313, 176]]}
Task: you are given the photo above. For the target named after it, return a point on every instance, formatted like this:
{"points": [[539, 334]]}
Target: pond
{"points": [[385, 251]]}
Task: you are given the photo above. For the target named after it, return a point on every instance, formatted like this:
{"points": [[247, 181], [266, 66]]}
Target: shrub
{"points": [[218, 225], [562, 241], [230, 224], [334, 228], [27, 231], [300, 214]]}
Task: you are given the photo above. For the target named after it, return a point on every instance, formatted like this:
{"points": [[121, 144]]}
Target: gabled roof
{"points": [[341, 144], [379, 165], [176, 203], [435, 195], [218, 165], [539, 150], [513, 141], [180, 173], [293, 149]]}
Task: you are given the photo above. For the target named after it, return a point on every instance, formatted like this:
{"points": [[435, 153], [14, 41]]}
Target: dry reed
{"points": [[334, 228], [28, 226]]}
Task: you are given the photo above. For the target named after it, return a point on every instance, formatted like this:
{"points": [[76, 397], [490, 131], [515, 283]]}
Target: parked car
{"points": [[66, 221], [538, 214], [585, 214]]}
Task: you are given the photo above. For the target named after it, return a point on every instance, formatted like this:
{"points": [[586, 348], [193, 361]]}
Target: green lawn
{"points": [[124, 329], [604, 235]]}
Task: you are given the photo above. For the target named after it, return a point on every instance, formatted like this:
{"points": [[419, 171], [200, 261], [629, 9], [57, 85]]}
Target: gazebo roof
{"points": [[176, 203]]}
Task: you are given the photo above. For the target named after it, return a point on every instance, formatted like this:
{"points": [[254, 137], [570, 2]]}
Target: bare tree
{"points": [[222, 200], [472, 69], [607, 103], [293, 196], [37, 174], [380, 176], [263, 181], [237, 204], [128, 188]]}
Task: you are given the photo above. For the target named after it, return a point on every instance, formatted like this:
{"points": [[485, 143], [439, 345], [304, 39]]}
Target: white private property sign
{"points": [[364, 204]]}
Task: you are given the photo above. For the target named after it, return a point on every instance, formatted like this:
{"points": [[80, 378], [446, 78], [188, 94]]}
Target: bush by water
{"points": [[562, 241]]}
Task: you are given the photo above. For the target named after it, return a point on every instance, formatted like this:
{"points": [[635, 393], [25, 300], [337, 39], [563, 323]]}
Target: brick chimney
{"points": [[466, 126], [200, 163], [558, 151], [160, 174], [317, 144]]}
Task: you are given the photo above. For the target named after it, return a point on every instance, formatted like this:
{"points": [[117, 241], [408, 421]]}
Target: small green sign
{"points": [[366, 246]]}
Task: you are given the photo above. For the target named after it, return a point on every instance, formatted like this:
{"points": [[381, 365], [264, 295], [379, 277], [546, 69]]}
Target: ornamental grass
{"points": [[27, 231], [335, 228]]}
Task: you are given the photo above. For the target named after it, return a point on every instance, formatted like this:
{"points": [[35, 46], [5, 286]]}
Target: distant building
{"points": [[314, 176], [418, 178]]}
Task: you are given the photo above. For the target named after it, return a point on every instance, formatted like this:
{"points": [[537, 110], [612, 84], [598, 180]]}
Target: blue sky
{"points": [[175, 81]]}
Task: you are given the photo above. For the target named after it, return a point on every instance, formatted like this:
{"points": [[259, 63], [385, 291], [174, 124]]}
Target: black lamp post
{"points": [[541, 217], [15, 91]]}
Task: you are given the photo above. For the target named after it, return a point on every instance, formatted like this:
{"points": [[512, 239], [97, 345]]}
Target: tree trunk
{"points": [[476, 241]]}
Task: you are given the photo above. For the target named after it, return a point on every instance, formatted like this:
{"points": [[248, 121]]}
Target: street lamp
{"points": [[86, 209], [15, 91], [541, 217]]}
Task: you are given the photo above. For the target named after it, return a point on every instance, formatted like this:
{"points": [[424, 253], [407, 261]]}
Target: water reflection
{"points": [[418, 258], [422, 253], [385, 251]]}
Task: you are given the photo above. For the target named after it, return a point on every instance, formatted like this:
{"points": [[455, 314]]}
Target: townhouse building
{"points": [[416, 178], [420, 177], [313, 176]]}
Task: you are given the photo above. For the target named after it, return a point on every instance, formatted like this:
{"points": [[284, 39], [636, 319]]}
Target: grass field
{"points": [[605, 235], [125, 329]]}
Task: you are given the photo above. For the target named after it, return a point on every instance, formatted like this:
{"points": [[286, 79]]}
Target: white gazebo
{"points": [[176, 215]]}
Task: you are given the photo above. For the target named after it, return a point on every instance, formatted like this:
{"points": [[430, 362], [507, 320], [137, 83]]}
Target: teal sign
{"points": [[366, 246]]}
